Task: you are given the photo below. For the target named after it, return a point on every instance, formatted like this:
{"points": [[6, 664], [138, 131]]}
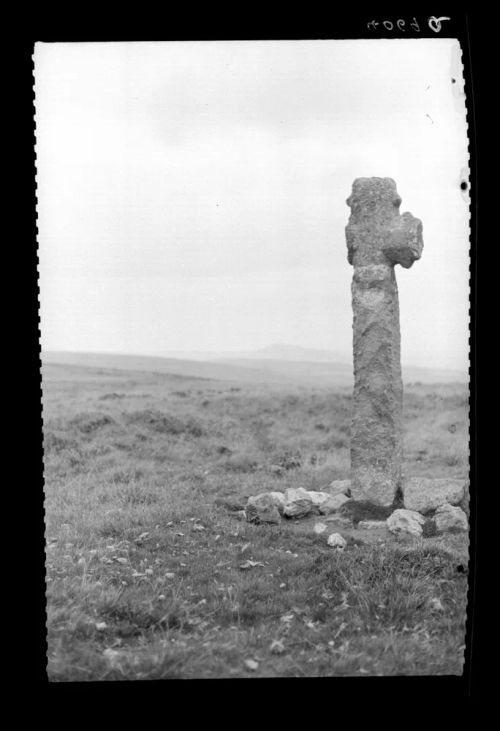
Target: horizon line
{"points": [[166, 355]]}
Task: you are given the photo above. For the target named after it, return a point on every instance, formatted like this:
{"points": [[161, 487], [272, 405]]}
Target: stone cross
{"points": [[378, 238]]}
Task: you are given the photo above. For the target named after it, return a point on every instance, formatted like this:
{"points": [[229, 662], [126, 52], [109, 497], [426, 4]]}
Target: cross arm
{"points": [[404, 241]]}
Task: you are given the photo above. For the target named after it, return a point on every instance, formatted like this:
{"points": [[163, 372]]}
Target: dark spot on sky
{"points": [[453, 81], [463, 185]]}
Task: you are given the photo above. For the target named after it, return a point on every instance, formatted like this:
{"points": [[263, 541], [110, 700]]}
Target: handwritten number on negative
{"points": [[389, 25], [433, 23]]}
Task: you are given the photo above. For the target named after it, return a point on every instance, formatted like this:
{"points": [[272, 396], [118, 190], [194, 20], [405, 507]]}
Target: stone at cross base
{"points": [[378, 237]]}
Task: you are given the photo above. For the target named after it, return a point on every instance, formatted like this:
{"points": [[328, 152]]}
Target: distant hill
{"points": [[296, 353], [245, 370], [175, 366], [278, 351]]}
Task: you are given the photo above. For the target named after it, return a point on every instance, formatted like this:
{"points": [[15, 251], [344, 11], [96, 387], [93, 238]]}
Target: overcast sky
{"points": [[191, 196]]}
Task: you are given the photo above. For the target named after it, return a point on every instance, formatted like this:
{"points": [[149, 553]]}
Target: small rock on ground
{"points": [[262, 509], [335, 540], [448, 517], [405, 522], [252, 664], [320, 528]]}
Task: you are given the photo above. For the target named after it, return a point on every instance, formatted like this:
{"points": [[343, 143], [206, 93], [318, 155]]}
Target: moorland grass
{"points": [[146, 568]]}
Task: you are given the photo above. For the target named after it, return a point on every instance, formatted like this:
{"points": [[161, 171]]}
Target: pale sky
{"points": [[191, 195]]}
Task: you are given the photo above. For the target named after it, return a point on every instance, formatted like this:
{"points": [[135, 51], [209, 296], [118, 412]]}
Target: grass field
{"points": [[146, 565]]}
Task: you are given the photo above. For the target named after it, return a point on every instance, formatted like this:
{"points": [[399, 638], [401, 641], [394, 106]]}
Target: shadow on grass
{"points": [[358, 510]]}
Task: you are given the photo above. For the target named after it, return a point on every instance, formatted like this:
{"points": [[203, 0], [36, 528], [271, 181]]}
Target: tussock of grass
{"points": [[55, 443], [164, 423], [287, 460], [392, 588], [136, 495], [241, 462], [89, 423]]}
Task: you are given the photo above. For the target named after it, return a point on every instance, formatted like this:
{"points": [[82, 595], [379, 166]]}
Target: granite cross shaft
{"points": [[378, 238]]}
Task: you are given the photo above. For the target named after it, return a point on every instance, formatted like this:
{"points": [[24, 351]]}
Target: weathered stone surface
{"points": [[335, 540], [262, 509], [404, 240], [372, 524], [318, 498], [340, 486], [425, 494], [333, 504], [279, 500], [448, 517], [378, 238], [297, 502], [403, 521]]}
